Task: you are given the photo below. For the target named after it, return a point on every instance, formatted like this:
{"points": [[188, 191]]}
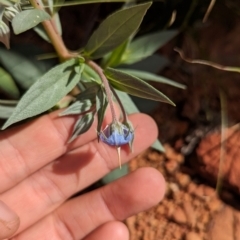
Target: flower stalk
{"points": [[56, 39], [107, 88]]}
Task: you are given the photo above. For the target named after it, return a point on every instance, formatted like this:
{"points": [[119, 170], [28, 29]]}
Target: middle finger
{"points": [[48, 188]]}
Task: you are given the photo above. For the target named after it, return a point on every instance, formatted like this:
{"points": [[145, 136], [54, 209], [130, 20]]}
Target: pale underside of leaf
{"points": [[135, 86], [152, 77], [77, 107], [45, 92], [82, 125], [101, 106], [115, 30], [5, 33], [28, 19]]}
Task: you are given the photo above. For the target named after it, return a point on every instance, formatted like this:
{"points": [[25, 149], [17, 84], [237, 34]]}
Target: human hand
{"points": [[39, 172]]}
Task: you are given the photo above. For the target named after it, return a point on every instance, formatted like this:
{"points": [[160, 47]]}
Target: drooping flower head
{"points": [[117, 134]]}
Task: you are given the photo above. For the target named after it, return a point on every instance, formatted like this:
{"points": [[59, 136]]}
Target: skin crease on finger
{"points": [[48, 188], [111, 230], [27, 201], [81, 216], [9, 221], [17, 161]]}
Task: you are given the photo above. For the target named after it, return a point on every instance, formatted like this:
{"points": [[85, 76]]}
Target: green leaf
{"points": [[83, 103], [115, 30], [101, 106], [152, 77], [57, 4], [135, 86], [113, 59], [115, 174], [78, 107], [145, 46], [22, 69], [58, 24], [82, 125], [8, 102], [80, 2], [41, 32], [89, 93], [28, 19], [8, 85], [129, 106], [89, 75], [7, 107], [7, 3], [46, 92], [6, 111], [158, 146]]}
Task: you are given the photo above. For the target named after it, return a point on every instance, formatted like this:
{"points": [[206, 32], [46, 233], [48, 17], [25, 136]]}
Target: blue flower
{"points": [[117, 134]]}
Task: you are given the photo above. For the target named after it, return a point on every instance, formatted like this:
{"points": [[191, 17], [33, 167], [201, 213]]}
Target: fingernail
{"points": [[9, 221], [6, 214]]}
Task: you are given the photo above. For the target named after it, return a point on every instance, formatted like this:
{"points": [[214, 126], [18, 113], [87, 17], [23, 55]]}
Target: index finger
{"points": [[25, 149]]}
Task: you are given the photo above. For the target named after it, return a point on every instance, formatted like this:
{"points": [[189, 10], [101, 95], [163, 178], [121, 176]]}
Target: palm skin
{"points": [[40, 171]]}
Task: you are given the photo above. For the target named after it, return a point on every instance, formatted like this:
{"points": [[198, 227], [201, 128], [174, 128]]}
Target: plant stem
{"points": [[120, 104], [55, 38], [108, 91]]}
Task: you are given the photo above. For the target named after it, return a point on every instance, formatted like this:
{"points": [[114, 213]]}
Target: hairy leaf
{"points": [[135, 86], [22, 69], [7, 3], [113, 59], [89, 75], [28, 19], [101, 106], [83, 103], [152, 77], [115, 30], [46, 92], [8, 85], [145, 46], [78, 107], [82, 125]]}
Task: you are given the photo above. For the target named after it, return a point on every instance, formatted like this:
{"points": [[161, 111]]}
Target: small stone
{"points": [[192, 236], [179, 216], [190, 213], [215, 205], [183, 179], [173, 187], [192, 187], [209, 191], [155, 157], [171, 166], [180, 159]]}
